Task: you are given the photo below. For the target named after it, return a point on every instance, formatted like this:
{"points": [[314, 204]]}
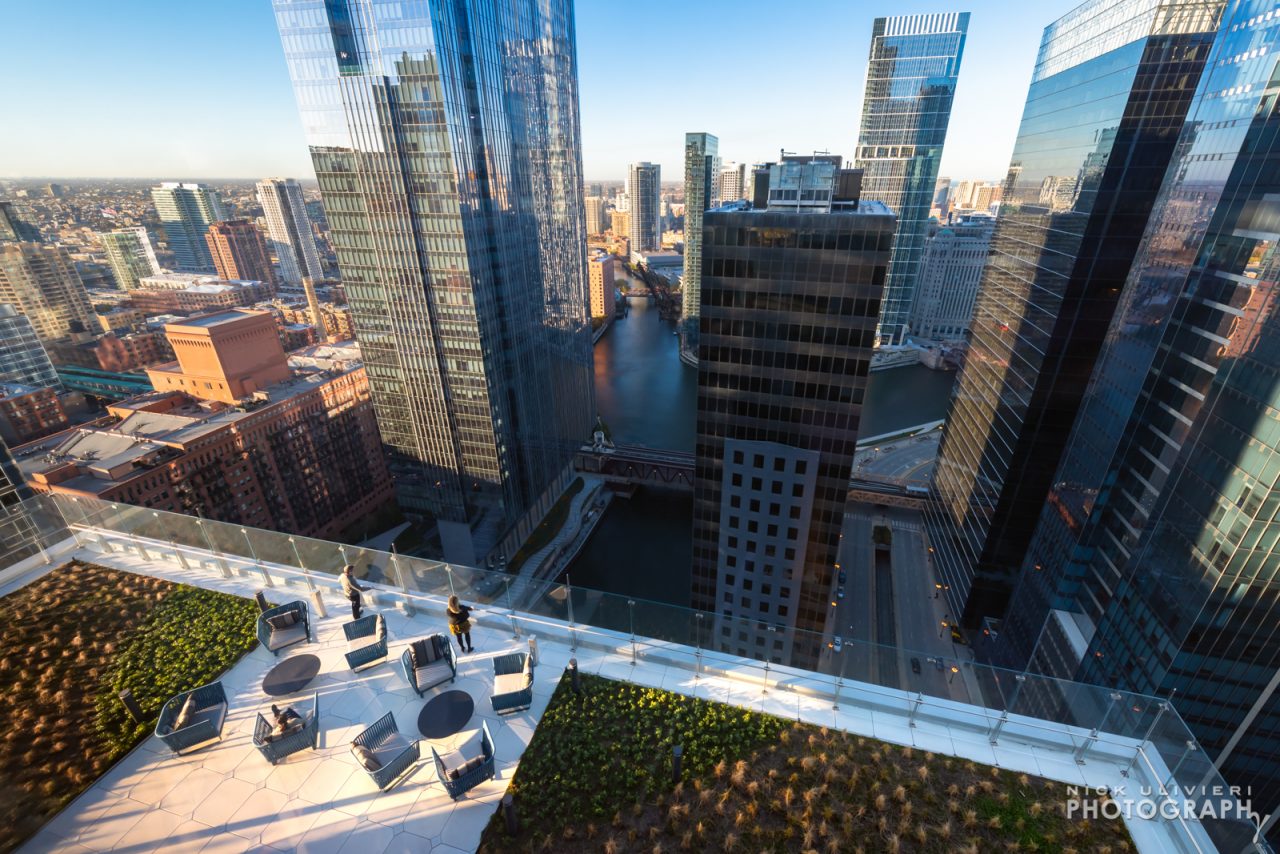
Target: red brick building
{"points": [[237, 435], [28, 413], [239, 252]]}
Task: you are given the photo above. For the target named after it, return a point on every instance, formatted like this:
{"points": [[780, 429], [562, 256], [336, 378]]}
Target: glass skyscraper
{"points": [[131, 256], [701, 175], [186, 212], [445, 140], [1155, 563], [644, 192], [911, 80], [1110, 91]]}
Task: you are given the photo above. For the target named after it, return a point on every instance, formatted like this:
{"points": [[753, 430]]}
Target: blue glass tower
{"points": [[1110, 92], [445, 139], [1154, 565], [911, 81]]}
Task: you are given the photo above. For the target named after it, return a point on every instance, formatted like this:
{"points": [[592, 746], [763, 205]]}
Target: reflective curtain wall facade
{"points": [[1157, 550], [186, 211], [445, 140], [789, 307], [644, 189], [1107, 113], [701, 175], [911, 80]]}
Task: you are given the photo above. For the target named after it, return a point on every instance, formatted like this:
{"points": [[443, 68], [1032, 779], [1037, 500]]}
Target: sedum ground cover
{"points": [[597, 777], [69, 642]]}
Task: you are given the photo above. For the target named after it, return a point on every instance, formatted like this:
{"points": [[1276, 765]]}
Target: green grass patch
{"points": [[548, 528], [68, 642], [192, 636], [597, 777]]}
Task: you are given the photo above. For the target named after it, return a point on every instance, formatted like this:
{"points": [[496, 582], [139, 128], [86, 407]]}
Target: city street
{"points": [[906, 614]]}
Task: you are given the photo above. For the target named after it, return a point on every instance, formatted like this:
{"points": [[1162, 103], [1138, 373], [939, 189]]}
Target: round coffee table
{"points": [[445, 714], [292, 674]]}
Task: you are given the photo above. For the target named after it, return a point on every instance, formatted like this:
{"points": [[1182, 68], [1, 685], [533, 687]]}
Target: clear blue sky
{"points": [[180, 89]]}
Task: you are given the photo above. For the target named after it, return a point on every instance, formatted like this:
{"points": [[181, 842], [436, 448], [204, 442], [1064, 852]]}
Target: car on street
{"points": [[839, 592], [836, 644], [915, 665], [843, 577]]}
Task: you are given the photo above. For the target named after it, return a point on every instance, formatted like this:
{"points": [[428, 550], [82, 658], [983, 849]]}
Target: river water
{"points": [[647, 396]]}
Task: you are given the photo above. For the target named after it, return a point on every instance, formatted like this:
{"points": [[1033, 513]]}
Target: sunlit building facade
{"points": [[289, 232], [644, 191], [446, 144], [911, 81], [701, 176], [131, 255], [1155, 560], [186, 211], [1114, 111]]}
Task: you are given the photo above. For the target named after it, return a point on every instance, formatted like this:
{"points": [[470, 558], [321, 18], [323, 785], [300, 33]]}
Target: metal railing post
{"points": [[915, 707], [697, 672], [448, 571], [631, 616], [1189, 748], [223, 569], [568, 598], [302, 567], [1004, 713], [1161, 708], [266, 576], [395, 566], [511, 611], [1093, 734], [765, 690]]}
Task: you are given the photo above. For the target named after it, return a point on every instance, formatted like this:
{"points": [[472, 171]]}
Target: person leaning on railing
{"points": [[460, 624], [351, 590]]}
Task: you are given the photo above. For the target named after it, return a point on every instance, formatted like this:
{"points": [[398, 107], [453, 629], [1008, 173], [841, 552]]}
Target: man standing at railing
{"points": [[351, 590]]}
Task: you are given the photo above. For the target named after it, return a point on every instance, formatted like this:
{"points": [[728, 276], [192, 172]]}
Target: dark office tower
{"points": [[14, 226], [445, 141], [1109, 114], [790, 298], [239, 252], [1155, 562], [911, 80], [186, 211], [701, 174]]}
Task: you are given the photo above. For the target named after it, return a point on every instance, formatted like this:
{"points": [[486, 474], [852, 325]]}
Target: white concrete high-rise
{"points": [[595, 215], [733, 181], [289, 234], [954, 256]]}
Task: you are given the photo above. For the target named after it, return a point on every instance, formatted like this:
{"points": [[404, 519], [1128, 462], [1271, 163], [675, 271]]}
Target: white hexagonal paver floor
{"points": [[227, 797]]}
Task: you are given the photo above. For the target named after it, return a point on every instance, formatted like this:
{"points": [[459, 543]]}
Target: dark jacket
{"points": [[459, 620]]}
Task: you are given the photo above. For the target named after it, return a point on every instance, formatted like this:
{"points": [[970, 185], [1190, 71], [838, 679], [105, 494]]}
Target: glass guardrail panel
{"points": [[271, 547], [319, 556], [423, 576], [664, 622]]}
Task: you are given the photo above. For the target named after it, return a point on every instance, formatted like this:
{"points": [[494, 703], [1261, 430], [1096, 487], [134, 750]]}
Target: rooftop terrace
{"points": [[227, 797]]}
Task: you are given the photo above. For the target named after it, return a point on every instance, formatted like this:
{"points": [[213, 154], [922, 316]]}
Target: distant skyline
{"points": [[145, 89]]}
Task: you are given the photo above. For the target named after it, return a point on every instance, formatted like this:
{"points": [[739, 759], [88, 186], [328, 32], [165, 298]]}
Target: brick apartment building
{"points": [[232, 432]]}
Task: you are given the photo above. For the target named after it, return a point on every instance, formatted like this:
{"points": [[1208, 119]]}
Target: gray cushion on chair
{"points": [[280, 638], [471, 764], [366, 757], [393, 746], [422, 653], [433, 673], [213, 714], [282, 621]]}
